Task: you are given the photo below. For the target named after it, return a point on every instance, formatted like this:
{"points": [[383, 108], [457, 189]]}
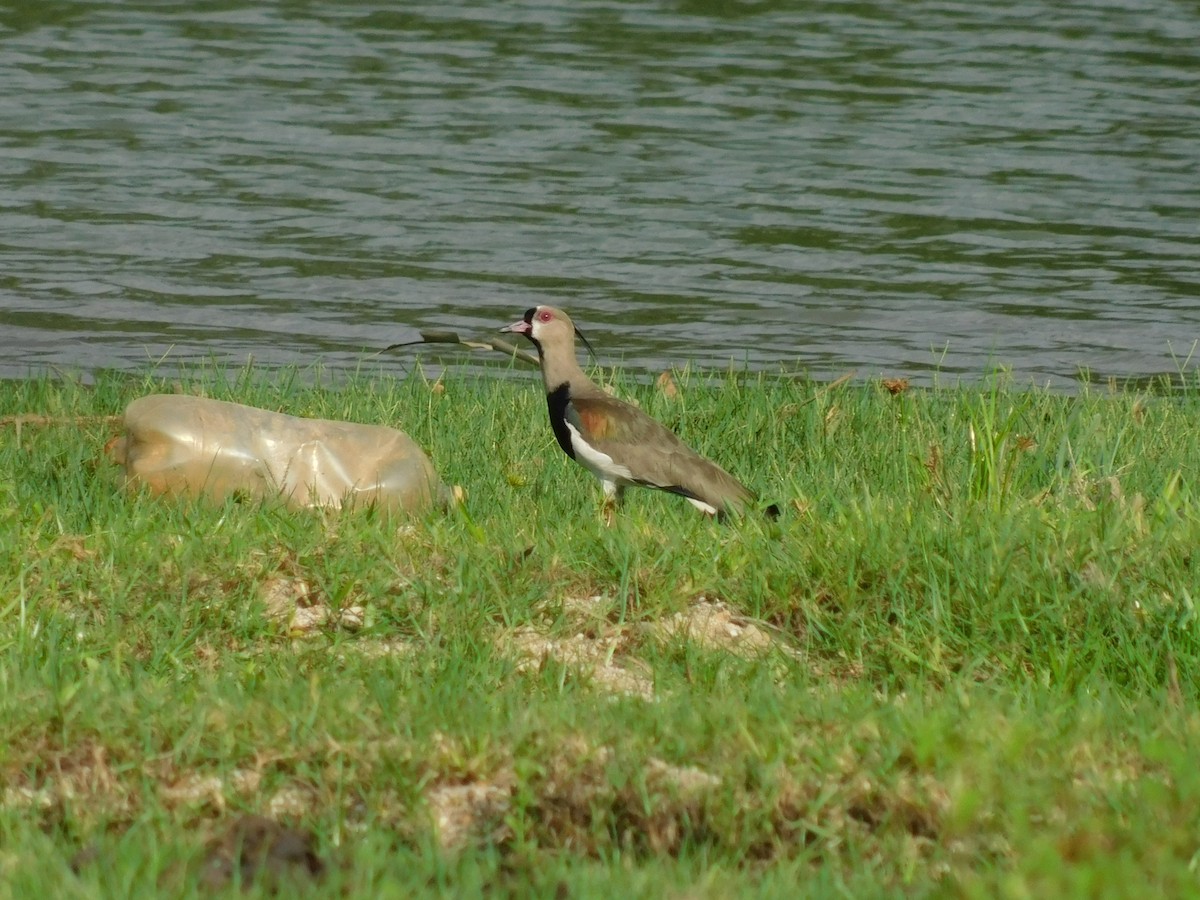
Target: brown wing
{"points": [[654, 455]]}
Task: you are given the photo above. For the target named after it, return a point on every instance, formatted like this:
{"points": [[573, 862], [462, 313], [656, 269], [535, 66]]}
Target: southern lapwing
{"points": [[617, 442]]}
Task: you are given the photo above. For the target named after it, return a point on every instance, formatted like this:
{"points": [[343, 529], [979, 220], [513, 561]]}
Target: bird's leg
{"points": [[612, 497]]}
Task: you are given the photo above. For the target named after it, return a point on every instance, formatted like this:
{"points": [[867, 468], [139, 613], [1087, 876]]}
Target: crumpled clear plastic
{"points": [[179, 444]]}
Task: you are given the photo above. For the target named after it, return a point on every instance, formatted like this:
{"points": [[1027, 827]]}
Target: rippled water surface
{"points": [[889, 188]]}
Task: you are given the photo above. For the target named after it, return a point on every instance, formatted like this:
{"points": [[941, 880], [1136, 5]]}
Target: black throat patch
{"points": [[528, 317], [557, 402]]}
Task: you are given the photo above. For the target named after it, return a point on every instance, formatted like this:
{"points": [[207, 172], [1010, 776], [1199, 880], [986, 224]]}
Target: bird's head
{"points": [[549, 329]]}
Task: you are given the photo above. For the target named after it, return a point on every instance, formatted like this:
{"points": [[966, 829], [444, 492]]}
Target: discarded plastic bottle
{"points": [[179, 444]]}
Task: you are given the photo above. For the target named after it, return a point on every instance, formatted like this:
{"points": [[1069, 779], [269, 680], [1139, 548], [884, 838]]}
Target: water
{"points": [[884, 188]]}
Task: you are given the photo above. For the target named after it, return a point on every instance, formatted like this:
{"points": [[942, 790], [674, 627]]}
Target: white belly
{"points": [[599, 464]]}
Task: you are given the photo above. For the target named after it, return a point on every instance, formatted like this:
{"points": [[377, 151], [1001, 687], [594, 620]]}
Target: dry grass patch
{"points": [[83, 776], [828, 811], [585, 797], [572, 796]]}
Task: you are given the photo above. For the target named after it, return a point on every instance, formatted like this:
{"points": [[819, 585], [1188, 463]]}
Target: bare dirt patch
{"points": [[469, 813], [603, 650], [296, 603], [595, 657], [713, 625]]}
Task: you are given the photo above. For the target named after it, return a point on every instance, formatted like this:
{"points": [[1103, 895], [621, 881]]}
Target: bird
{"points": [[614, 440]]}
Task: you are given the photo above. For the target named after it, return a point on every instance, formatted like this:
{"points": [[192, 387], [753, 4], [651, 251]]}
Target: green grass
{"points": [[981, 682]]}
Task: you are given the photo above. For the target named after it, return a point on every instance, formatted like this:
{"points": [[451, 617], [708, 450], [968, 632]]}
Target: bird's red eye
{"points": [[545, 316]]}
